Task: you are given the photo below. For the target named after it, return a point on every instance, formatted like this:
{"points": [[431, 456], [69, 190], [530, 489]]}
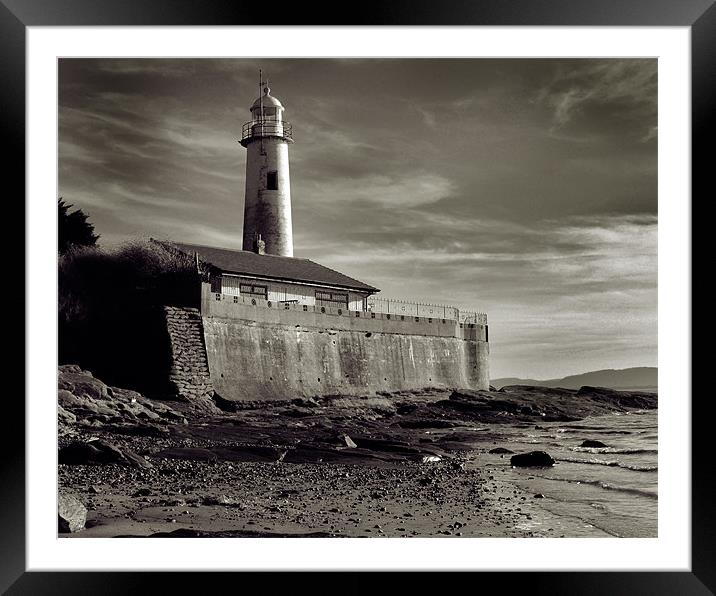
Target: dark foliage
{"points": [[137, 275], [110, 309], [73, 229]]}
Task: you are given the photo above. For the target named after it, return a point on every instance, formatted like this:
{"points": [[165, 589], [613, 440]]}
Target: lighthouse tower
{"points": [[267, 204]]}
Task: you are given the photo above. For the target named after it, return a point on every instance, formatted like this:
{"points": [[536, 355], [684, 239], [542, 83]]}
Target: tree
{"points": [[73, 228]]}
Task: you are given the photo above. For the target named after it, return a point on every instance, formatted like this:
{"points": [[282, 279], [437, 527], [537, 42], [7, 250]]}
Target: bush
{"points": [[136, 275], [110, 321]]}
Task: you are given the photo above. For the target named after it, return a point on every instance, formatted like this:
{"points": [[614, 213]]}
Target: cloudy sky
{"points": [[523, 188]]}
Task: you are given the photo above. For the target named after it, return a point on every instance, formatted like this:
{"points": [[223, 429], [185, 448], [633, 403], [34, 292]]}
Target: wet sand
{"points": [[305, 500], [398, 465]]}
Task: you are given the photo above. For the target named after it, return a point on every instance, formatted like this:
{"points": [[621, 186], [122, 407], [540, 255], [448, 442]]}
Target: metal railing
{"points": [[465, 318], [223, 305], [256, 129], [476, 318], [418, 309]]}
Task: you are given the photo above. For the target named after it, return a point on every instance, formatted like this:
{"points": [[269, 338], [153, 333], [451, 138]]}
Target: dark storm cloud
{"points": [[526, 188]]}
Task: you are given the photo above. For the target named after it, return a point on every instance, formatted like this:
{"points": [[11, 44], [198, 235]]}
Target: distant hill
{"points": [[643, 378]]}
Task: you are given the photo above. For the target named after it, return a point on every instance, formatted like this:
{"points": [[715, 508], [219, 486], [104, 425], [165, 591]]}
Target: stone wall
{"points": [[189, 374]]}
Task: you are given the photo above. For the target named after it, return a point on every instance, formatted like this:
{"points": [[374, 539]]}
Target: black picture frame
{"points": [[17, 15]]}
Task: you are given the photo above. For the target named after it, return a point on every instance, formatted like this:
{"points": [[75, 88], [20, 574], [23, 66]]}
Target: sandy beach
{"points": [[397, 465], [310, 500]]}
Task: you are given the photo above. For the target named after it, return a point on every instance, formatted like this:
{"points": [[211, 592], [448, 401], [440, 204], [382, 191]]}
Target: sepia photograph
{"points": [[357, 298]]}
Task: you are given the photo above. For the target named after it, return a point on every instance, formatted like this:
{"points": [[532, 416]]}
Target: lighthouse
{"points": [[267, 203]]}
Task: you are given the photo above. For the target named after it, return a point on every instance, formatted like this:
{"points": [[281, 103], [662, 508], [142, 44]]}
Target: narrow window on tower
{"points": [[272, 180]]}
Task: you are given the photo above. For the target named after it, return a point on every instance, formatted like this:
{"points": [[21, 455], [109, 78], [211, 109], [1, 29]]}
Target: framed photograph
{"points": [[366, 296]]}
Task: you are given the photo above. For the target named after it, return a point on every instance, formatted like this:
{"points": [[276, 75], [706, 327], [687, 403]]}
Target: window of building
{"points": [[272, 180], [254, 291], [332, 299]]}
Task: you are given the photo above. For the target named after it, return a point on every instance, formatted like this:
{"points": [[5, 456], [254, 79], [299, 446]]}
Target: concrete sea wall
{"points": [[261, 352]]}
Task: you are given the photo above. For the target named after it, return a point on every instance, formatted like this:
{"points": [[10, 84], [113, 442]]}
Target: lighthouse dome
{"points": [[268, 101]]}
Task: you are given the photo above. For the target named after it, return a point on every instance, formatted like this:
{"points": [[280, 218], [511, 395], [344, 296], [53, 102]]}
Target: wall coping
{"points": [[230, 307], [333, 311]]}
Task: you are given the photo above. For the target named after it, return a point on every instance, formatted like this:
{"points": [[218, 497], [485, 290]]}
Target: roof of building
{"points": [[267, 100], [244, 262]]}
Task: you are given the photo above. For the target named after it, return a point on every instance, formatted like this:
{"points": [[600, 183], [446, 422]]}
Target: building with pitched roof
{"points": [[279, 279]]}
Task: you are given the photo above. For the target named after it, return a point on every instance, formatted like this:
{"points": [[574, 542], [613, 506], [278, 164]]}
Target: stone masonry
{"points": [[189, 374]]}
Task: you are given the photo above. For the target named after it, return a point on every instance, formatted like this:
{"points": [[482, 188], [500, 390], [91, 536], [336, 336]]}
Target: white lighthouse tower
{"points": [[267, 203]]}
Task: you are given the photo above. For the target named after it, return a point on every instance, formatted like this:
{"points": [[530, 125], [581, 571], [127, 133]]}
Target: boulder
{"points": [[135, 460], [429, 459], [65, 416], [82, 384], [500, 450], [305, 402], [97, 451], [533, 459], [83, 404], [91, 401], [91, 452], [220, 500], [71, 514], [345, 439], [590, 443]]}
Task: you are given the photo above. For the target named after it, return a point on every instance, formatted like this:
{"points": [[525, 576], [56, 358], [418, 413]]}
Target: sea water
{"points": [[613, 488]]}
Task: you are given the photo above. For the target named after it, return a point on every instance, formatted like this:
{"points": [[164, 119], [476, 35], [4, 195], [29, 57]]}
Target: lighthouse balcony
{"points": [[256, 130]]}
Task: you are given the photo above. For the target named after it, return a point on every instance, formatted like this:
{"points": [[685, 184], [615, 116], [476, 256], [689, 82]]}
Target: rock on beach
{"points": [[71, 514], [98, 451], [533, 459], [591, 443]]}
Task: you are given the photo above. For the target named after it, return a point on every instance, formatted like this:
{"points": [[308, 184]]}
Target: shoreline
{"points": [[400, 465], [330, 500]]}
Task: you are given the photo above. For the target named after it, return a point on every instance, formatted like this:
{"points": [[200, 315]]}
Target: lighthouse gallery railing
{"points": [[267, 128]]}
